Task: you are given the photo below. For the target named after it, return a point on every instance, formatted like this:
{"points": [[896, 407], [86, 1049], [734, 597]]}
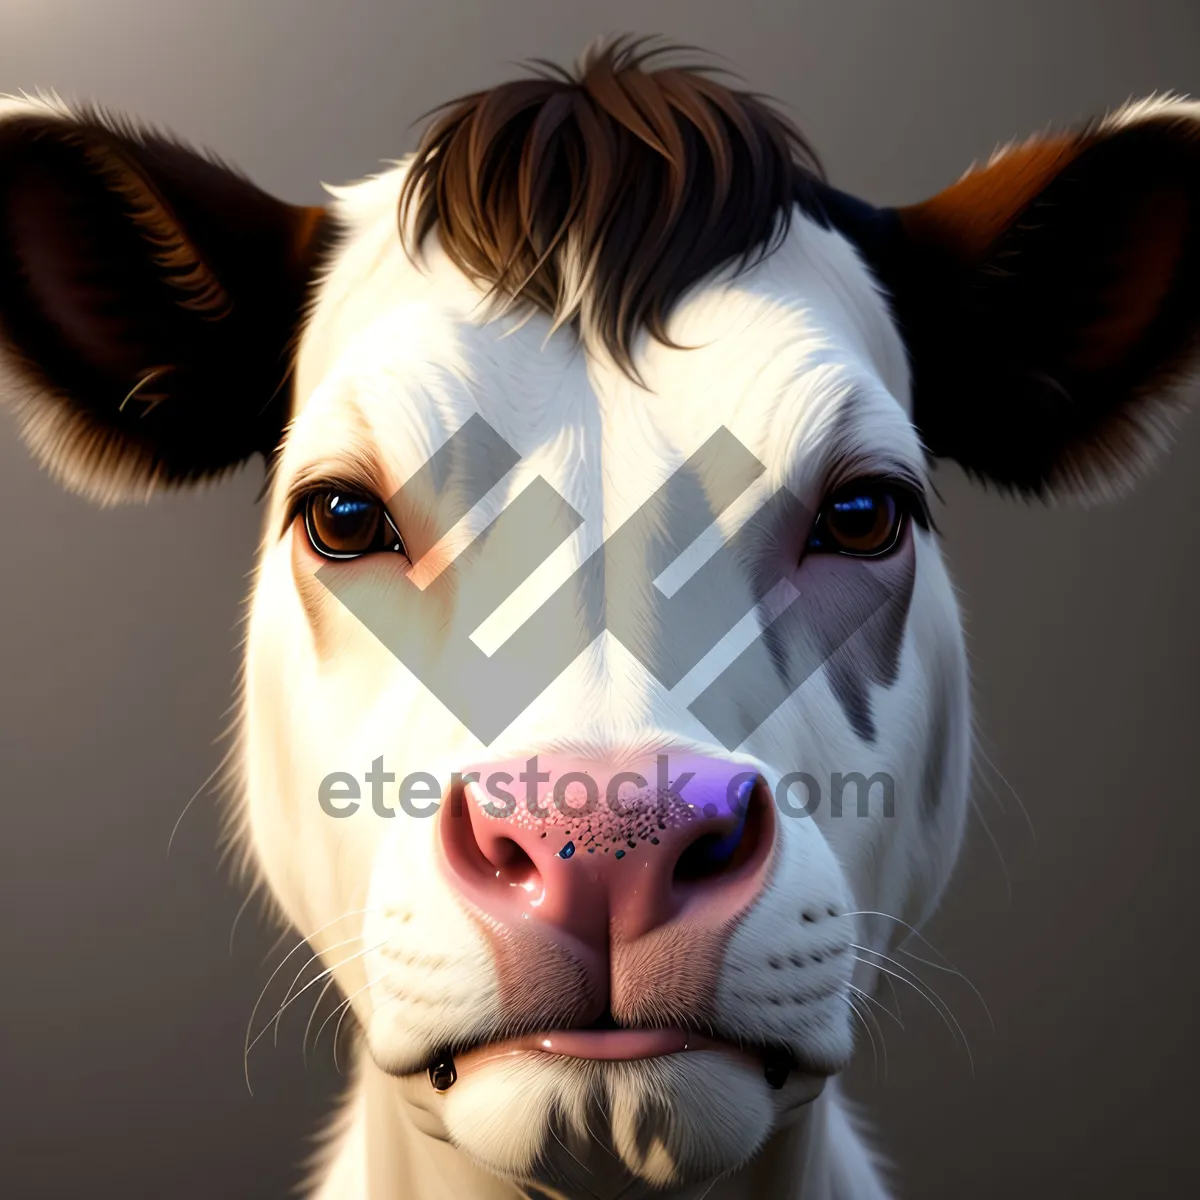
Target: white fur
{"points": [[799, 359]]}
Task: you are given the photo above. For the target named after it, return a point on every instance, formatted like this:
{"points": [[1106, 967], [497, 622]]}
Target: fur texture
{"points": [[810, 331]]}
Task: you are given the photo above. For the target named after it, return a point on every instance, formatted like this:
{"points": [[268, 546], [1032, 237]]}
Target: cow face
{"points": [[605, 715]]}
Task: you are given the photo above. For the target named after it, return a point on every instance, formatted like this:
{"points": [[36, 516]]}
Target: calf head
{"points": [[605, 712]]}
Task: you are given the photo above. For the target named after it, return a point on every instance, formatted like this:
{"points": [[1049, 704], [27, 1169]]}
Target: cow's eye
{"points": [[343, 524], [862, 519]]}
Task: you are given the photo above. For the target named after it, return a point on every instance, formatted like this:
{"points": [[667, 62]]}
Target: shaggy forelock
{"points": [[599, 197]]}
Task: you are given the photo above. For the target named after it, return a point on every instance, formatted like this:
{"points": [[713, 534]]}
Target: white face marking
{"points": [[799, 360]]}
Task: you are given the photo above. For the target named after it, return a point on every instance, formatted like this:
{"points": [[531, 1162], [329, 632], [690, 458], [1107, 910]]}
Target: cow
{"points": [[604, 866]]}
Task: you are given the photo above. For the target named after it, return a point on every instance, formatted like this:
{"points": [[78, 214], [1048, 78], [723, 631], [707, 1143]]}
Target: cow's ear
{"points": [[1051, 302], [149, 301]]}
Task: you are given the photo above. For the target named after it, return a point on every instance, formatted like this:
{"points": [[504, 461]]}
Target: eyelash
{"points": [[912, 491], [300, 495]]}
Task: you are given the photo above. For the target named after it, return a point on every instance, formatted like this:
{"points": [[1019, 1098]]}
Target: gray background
{"points": [[123, 1010]]}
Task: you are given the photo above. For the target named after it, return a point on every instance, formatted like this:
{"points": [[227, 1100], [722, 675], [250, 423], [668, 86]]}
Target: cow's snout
{"points": [[595, 854]]}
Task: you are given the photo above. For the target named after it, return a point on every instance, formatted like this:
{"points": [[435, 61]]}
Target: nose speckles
{"points": [[639, 821]]}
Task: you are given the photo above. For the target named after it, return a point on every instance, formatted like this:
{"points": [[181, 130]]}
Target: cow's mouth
{"points": [[607, 1040]]}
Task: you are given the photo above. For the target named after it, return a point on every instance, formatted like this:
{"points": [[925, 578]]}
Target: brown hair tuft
{"points": [[600, 197]]}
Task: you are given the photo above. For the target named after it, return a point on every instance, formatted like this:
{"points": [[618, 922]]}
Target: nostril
{"points": [[478, 848], [513, 865], [505, 853], [723, 851], [708, 855]]}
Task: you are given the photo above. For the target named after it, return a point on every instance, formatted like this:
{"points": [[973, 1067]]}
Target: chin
{"points": [[664, 1122]]}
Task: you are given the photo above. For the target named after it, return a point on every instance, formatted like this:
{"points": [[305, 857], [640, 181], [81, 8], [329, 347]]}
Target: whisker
{"points": [[945, 965], [878, 1004], [952, 971], [883, 1043], [329, 982], [196, 795], [987, 758], [312, 982], [991, 837], [910, 972], [930, 997], [316, 956], [275, 945], [712, 1184], [874, 1020], [337, 1009], [337, 1029], [254, 1011], [907, 974], [237, 917], [870, 1035], [895, 995], [991, 791], [342, 1008]]}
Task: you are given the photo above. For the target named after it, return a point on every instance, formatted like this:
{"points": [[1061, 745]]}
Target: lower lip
{"points": [[612, 1045]]}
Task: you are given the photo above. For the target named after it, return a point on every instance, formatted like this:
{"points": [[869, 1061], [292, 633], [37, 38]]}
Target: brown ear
{"points": [[149, 297], [1051, 302]]}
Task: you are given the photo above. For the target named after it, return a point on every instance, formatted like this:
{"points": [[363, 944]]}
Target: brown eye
{"points": [[862, 520], [343, 524]]}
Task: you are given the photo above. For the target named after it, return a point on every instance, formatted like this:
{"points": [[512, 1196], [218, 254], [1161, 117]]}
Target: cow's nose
{"points": [[596, 853]]}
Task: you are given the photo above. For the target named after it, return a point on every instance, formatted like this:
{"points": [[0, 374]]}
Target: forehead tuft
{"points": [[600, 197]]}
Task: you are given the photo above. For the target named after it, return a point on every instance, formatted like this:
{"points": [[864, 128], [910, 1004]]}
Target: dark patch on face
{"points": [[777, 648], [853, 613], [872, 654], [850, 615]]}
